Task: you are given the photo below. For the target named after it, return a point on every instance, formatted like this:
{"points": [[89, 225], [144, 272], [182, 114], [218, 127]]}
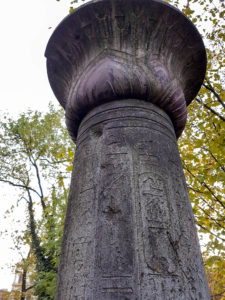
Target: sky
{"points": [[24, 35], [25, 28]]}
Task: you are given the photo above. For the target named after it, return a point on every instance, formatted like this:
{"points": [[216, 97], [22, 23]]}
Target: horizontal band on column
{"points": [[123, 112]]}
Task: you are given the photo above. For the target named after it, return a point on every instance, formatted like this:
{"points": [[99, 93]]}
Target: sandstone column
{"points": [[125, 71]]}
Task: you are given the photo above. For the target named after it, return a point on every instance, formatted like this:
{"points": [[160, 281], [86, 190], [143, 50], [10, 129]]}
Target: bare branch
{"points": [[54, 162], [39, 182], [21, 198], [20, 186]]}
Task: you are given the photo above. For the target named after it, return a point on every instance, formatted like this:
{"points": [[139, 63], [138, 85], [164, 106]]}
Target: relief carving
{"points": [[121, 240], [120, 286], [160, 255], [116, 253], [167, 287], [144, 147], [154, 199], [116, 143], [115, 229], [80, 251]]}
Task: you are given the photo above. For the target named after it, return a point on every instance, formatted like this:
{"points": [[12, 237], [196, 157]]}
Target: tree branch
{"points": [[210, 109], [29, 288], [211, 89], [215, 210], [39, 182], [54, 162], [20, 186], [220, 294], [206, 186], [206, 229], [213, 156], [213, 194], [194, 190], [210, 217]]}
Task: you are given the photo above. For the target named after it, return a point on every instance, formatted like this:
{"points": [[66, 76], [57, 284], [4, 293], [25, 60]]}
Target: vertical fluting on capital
{"points": [[119, 49], [124, 71]]}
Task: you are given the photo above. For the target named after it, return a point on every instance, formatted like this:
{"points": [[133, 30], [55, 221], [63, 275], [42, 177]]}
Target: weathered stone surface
{"points": [[120, 49], [129, 230]]}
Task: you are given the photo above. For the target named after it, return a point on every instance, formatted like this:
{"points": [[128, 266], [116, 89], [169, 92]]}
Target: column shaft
{"points": [[129, 231]]}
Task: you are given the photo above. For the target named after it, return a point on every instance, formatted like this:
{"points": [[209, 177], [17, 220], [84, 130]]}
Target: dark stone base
{"points": [[129, 230]]}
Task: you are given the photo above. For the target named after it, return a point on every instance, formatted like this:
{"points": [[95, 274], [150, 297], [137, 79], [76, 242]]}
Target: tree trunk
{"points": [[24, 283]]}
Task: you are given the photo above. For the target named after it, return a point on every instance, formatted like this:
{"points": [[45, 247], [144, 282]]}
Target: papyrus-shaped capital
{"points": [[109, 50]]}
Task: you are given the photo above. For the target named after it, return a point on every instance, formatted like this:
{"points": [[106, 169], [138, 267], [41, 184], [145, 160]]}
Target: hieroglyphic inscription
{"points": [[85, 205], [160, 256], [162, 287], [115, 231], [177, 188], [115, 142], [158, 251], [124, 242], [117, 284], [117, 256], [82, 215], [154, 198], [146, 151], [187, 245], [81, 249]]}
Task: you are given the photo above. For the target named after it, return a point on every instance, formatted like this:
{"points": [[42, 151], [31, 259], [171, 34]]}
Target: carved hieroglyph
{"points": [[129, 230], [124, 71]]}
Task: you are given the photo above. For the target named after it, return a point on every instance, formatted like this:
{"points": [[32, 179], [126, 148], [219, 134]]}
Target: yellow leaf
{"points": [[70, 168]]}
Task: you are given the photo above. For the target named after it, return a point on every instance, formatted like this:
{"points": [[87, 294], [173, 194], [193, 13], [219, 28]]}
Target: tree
{"points": [[22, 285], [202, 144], [33, 156]]}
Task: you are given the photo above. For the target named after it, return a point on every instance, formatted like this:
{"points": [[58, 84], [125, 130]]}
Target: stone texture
{"points": [[124, 71], [120, 49], [129, 230]]}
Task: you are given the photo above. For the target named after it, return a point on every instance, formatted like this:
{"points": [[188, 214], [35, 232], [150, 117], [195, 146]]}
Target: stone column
{"points": [[125, 71]]}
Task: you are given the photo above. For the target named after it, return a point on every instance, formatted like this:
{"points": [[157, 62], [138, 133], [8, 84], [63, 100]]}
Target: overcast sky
{"points": [[24, 33]]}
